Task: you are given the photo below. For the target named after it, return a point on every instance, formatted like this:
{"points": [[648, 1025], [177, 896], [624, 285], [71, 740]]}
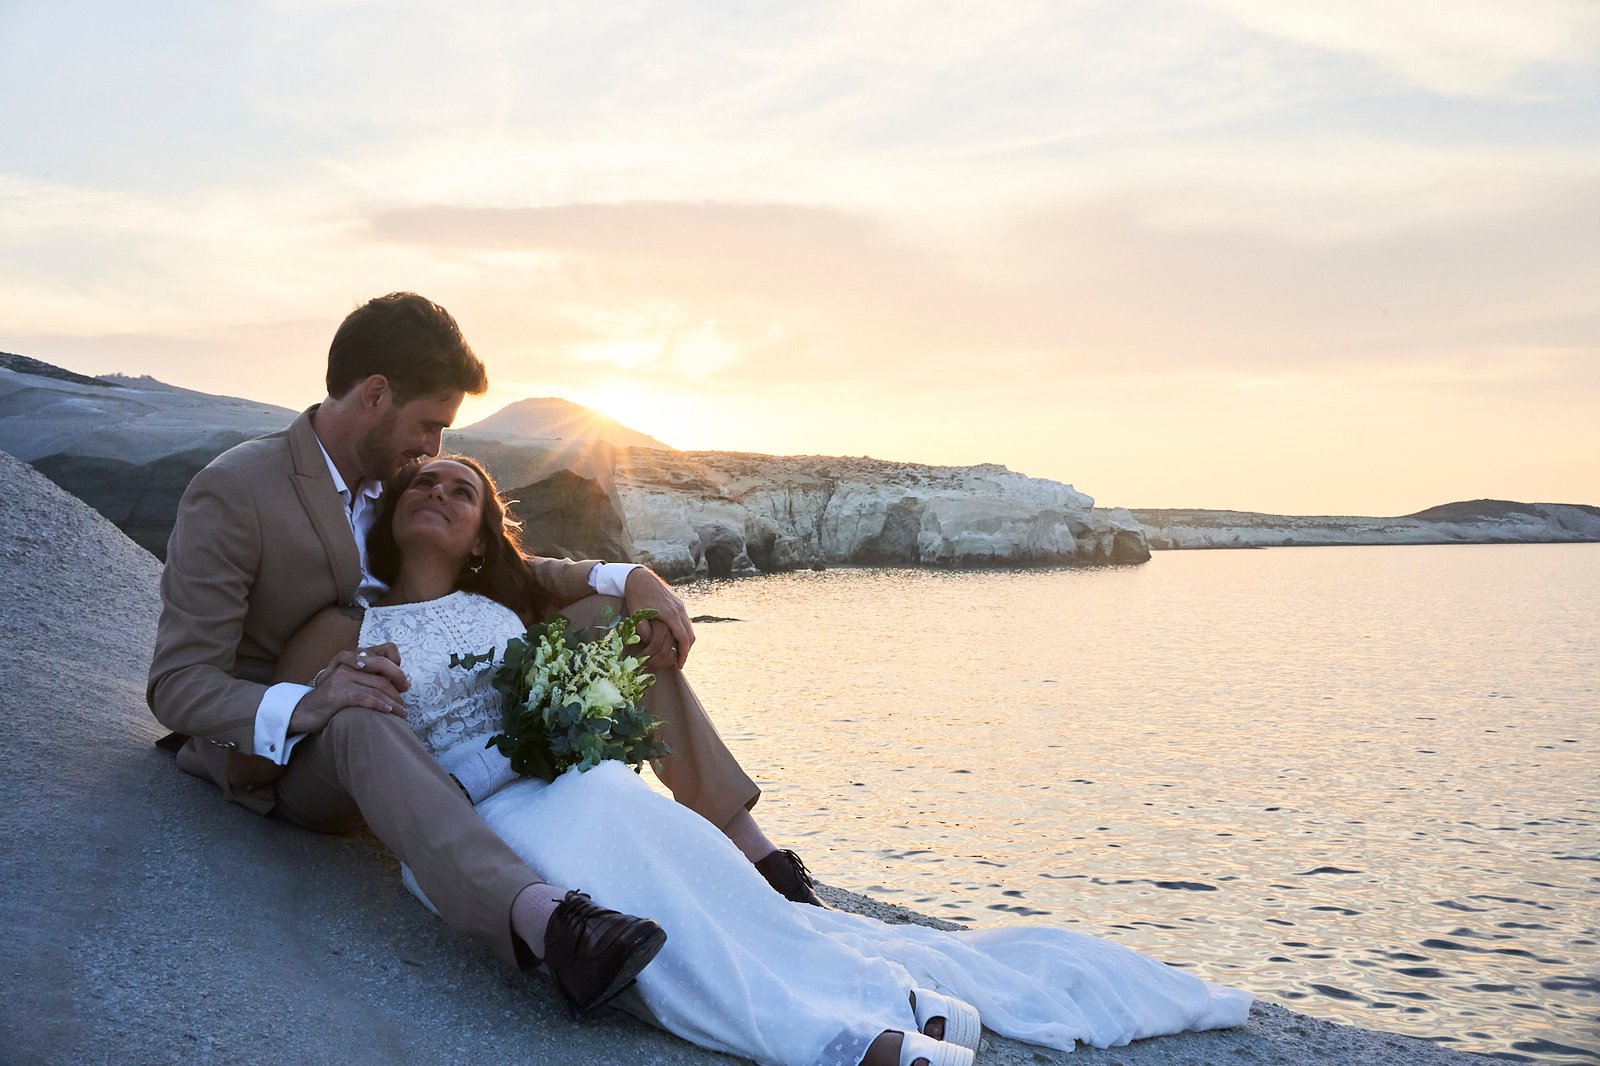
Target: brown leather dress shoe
{"points": [[594, 953], [785, 872]]}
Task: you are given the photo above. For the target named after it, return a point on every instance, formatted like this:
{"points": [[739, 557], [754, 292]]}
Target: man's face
{"points": [[405, 433]]}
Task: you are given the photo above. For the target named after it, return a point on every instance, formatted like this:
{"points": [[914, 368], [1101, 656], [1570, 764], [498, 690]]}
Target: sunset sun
{"points": [[632, 404]]}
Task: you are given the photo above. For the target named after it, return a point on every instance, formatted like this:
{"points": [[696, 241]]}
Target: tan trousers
{"points": [[370, 767]]}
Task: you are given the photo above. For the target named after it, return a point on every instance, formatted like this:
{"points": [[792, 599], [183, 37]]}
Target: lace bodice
{"points": [[446, 705]]}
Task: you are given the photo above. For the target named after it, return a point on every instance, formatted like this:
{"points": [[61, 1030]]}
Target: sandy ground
{"points": [[147, 921]]}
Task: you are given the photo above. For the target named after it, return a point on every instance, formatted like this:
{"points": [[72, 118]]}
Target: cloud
{"points": [[1452, 47], [787, 286], [1079, 289], [635, 228]]}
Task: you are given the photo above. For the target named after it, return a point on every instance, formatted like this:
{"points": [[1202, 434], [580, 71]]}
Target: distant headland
{"points": [[1468, 522]]}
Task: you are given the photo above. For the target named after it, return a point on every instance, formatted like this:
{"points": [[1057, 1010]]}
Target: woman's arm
{"points": [[371, 679], [330, 631]]}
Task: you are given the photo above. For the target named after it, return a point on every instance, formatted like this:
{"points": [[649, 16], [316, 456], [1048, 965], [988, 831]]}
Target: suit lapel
{"points": [[314, 485]]}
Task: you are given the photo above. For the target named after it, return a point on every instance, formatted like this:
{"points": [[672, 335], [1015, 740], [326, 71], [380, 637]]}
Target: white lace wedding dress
{"points": [[745, 971]]}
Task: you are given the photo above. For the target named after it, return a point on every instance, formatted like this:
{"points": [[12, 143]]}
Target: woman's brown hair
{"points": [[503, 575]]}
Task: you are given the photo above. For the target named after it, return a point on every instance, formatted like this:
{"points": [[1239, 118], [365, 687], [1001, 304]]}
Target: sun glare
{"points": [[686, 420], [635, 407]]}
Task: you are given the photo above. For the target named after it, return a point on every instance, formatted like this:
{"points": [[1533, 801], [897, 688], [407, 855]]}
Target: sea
{"points": [[1363, 782]]}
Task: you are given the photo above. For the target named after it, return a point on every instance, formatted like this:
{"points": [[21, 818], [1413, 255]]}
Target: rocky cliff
{"points": [[1471, 522], [128, 447], [726, 512]]}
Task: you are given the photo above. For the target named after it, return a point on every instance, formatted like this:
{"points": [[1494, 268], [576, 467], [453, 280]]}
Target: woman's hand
{"points": [[368, 678]]}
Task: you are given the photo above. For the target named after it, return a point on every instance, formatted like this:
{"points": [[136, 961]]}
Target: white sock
{"points": [[531, 911], [748, 837]]}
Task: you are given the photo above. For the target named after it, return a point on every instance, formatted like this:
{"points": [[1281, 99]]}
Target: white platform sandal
{"points": [[916, 1046], [961, 1023]]}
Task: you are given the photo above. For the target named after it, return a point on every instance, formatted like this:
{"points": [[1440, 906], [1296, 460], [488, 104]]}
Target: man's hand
{"points": [[664, 641], [369, 678]]}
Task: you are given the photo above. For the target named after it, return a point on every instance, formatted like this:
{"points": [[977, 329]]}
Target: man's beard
{"points": [[379, 458]]}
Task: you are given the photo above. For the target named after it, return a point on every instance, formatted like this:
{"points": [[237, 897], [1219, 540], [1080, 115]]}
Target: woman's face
{"points": [[442, 506]]}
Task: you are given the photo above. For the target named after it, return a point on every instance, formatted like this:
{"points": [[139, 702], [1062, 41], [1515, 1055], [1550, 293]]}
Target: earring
{"points": [[474, 565]]}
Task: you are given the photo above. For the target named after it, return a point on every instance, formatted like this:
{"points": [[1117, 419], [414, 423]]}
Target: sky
{"points": [[1326, 257]]}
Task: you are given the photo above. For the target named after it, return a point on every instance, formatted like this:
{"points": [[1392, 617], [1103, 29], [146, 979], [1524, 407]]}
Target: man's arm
{"points": [[565, 582], [212, 558]]}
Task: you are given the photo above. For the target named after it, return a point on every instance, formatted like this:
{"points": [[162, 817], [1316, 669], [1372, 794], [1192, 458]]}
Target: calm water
{"points": [[1364, 782]]}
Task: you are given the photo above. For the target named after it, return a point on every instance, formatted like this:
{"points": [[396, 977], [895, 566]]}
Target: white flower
{"points": [[601, 698]]}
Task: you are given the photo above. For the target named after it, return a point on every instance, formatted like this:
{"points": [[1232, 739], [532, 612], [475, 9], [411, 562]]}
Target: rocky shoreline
{"points": [[149, 921]]}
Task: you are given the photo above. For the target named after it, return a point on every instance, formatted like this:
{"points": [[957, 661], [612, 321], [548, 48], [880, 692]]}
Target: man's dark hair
{"points": [[411, 341]]}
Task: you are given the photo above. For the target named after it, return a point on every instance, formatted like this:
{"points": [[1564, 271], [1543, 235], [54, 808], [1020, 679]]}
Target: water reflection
{"points": [[1362, 781]]}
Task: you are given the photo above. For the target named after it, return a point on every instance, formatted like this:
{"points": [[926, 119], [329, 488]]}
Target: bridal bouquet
{"points": [[571, 701]]}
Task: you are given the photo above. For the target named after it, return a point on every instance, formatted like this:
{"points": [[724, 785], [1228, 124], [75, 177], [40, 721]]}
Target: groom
{"points": [[273, 531]]}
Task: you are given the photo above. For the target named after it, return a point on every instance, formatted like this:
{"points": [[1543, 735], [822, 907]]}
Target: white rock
{"points": [[795, 511]]}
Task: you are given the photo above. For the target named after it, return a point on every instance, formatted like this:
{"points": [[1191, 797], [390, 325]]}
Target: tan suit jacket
{"points": [[260, 545]]}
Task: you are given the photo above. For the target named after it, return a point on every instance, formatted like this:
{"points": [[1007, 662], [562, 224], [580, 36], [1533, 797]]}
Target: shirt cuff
{"points": [[272, 739], [610, 579]]}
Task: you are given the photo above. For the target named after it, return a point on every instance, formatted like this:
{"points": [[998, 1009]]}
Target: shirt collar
{"points": [[371, 491]]}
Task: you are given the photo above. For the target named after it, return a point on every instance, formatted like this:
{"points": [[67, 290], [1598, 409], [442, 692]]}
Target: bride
{"points": [[743, 971]]}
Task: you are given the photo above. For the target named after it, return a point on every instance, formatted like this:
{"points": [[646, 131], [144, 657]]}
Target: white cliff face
{"points": [[720, 512], [1475, 522]]}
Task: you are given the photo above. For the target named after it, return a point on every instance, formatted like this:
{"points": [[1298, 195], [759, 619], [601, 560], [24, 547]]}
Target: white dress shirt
{"points": [[272, 739]]}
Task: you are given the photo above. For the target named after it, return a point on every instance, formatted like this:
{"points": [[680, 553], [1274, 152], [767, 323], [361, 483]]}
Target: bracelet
{"points": [[316, 680]]}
